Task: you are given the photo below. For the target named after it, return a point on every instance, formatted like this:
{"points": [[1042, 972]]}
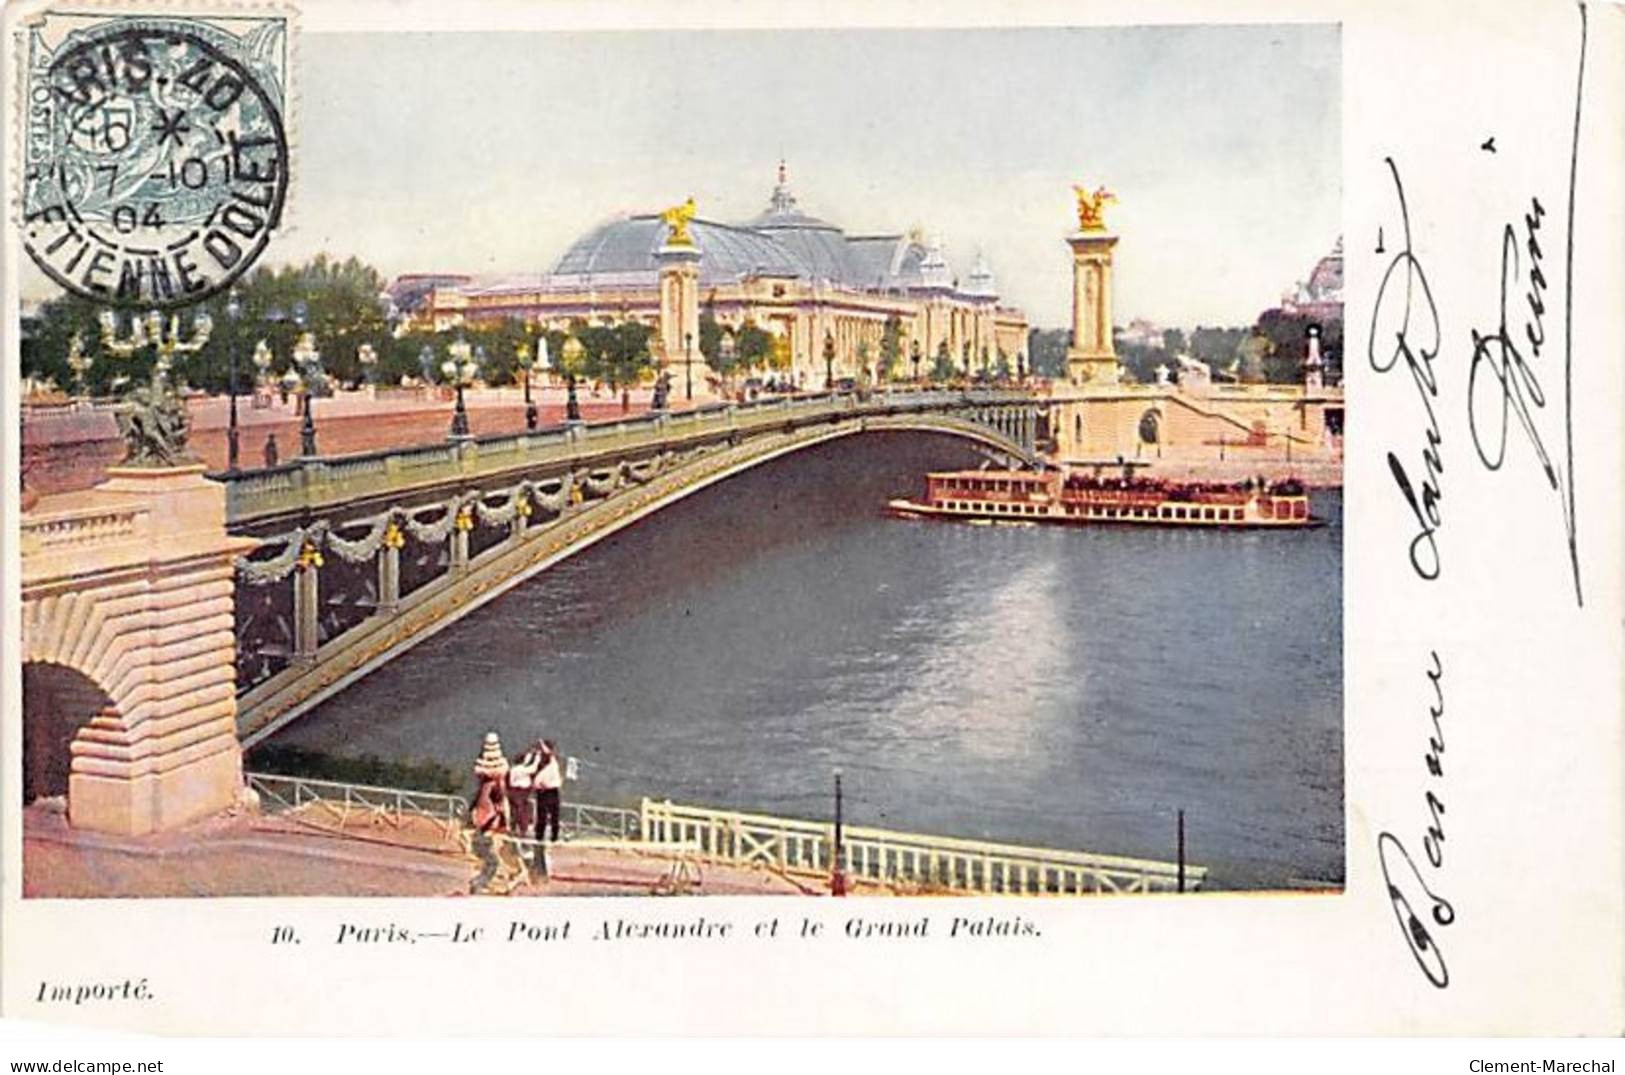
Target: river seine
{"points": [[1069, 687]]}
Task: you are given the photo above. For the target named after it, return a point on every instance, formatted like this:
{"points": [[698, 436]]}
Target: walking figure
{"points": [[521, 797], [271, 454], [549, 779], [490, 818]]}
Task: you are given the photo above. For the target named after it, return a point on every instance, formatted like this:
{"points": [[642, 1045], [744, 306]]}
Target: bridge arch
{"points": [[58, 702], [335, 664]]}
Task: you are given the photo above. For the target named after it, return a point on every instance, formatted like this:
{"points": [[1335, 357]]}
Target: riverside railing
{"points": [[336, 804], [907, 861]]}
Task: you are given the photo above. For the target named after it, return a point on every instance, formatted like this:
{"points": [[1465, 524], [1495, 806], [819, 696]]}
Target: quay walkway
{"points": [[689, 840], [317, 837]]}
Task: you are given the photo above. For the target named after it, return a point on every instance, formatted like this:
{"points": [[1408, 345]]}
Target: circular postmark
{"points": [[162, 170]]}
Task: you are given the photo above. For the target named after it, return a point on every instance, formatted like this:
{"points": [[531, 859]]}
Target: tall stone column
{"points": [[678, 339], [1092, 358]]}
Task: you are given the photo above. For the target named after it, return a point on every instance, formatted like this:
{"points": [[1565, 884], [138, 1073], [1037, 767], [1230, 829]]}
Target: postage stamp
{"points": [[155, 161]]}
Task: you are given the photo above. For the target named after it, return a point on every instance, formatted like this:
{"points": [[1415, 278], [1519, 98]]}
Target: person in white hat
{"points": [[489, 813]]}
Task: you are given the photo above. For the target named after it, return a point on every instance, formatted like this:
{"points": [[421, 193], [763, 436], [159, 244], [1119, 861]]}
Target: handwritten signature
{"points": [[1501, 382], [1414, 330], [1408, 892]]}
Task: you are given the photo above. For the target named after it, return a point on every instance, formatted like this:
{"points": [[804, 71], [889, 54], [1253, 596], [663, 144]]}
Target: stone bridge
{"points": [[359, 558]]}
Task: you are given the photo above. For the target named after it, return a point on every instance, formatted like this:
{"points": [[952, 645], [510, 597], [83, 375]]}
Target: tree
{"points": [[891, 347], [942, 369], [1251, 354], [752, 346], [711, 335], [340, 301], [1046, 351]]}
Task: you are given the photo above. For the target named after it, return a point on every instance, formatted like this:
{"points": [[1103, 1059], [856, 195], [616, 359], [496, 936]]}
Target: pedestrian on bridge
{"points": [[521, 796], [549, 779], [489, 814]]}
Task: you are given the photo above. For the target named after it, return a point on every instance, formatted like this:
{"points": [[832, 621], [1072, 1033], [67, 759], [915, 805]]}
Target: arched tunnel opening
{"points": [[57, 702]]}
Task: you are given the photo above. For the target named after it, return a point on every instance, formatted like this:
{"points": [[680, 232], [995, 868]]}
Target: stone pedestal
{"points": [[1092, 358], [131, 585], [677, 339]]}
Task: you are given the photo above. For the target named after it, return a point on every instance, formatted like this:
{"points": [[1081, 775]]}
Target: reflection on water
{"points": [[1069, 687]]}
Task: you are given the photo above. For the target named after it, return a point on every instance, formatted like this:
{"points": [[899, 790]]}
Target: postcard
{"points": [[1054, 519]]}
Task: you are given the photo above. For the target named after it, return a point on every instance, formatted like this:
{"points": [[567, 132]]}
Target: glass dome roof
{"points": [[727, 254]]}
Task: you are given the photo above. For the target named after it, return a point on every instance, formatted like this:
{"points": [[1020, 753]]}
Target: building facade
{"points": [[797, 277]]}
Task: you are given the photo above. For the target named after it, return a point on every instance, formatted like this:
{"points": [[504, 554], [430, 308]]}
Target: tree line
{"points": [[342, 304], [1268, 352]]}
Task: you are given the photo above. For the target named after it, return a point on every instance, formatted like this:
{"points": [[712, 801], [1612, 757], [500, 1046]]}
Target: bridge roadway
{"points": [[362, 557]]}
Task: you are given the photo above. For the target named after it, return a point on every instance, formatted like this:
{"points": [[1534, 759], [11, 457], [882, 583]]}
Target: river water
{"points": [[1069, 687]]}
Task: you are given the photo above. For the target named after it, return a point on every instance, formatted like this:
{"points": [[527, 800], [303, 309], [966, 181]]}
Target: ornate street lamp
{"points": [[726, 350], [310, 375], [151, 331], [368, 360], [460, 370], [538, 366], [570, 358], [262, 367], [79, 363], [688, 365], [155, 434], [914, 357], [829, 361], [234, 314]]}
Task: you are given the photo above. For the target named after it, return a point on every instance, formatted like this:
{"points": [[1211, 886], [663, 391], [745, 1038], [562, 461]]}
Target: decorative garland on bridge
{"points": [[363, 549], [280, 566], [552, 495]]}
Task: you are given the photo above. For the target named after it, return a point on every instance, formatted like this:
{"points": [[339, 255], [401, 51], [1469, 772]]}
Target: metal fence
{"points": [[331, 803], [336, 804], [906, 861]]}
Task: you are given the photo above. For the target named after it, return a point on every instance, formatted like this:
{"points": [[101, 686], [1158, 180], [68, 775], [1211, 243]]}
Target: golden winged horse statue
{"points": [[677, 218], [1092, 207]]}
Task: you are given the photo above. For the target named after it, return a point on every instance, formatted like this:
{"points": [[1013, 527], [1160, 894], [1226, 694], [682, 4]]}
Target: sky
{"points": [[490, 153]]}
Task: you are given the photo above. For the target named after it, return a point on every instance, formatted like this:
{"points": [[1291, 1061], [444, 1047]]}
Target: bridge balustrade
{"points": [[443, 525]]}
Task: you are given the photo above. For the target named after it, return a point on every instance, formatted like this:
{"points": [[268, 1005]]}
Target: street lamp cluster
{"points": [[460, 369], [539, 364]]}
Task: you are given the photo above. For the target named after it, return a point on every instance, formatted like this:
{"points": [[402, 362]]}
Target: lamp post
{"points": [[234, 314], [151, 331], [539, 365], [262, 367], [837, 875], [460, 369], [310, 375], [914, 357], [367, 358], [79, 363], [688, 365], [829, 361], [725, 350]]}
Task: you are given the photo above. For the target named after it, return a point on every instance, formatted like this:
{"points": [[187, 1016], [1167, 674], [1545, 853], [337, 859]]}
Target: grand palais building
{"points": [[800, 278]]}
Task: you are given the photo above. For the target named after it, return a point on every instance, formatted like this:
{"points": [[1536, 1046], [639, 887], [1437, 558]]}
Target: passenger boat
{"points": [[1058, 496]]}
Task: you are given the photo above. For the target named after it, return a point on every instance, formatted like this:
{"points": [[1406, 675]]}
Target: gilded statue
{"points": [[1092, 207], [677, 218]]}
